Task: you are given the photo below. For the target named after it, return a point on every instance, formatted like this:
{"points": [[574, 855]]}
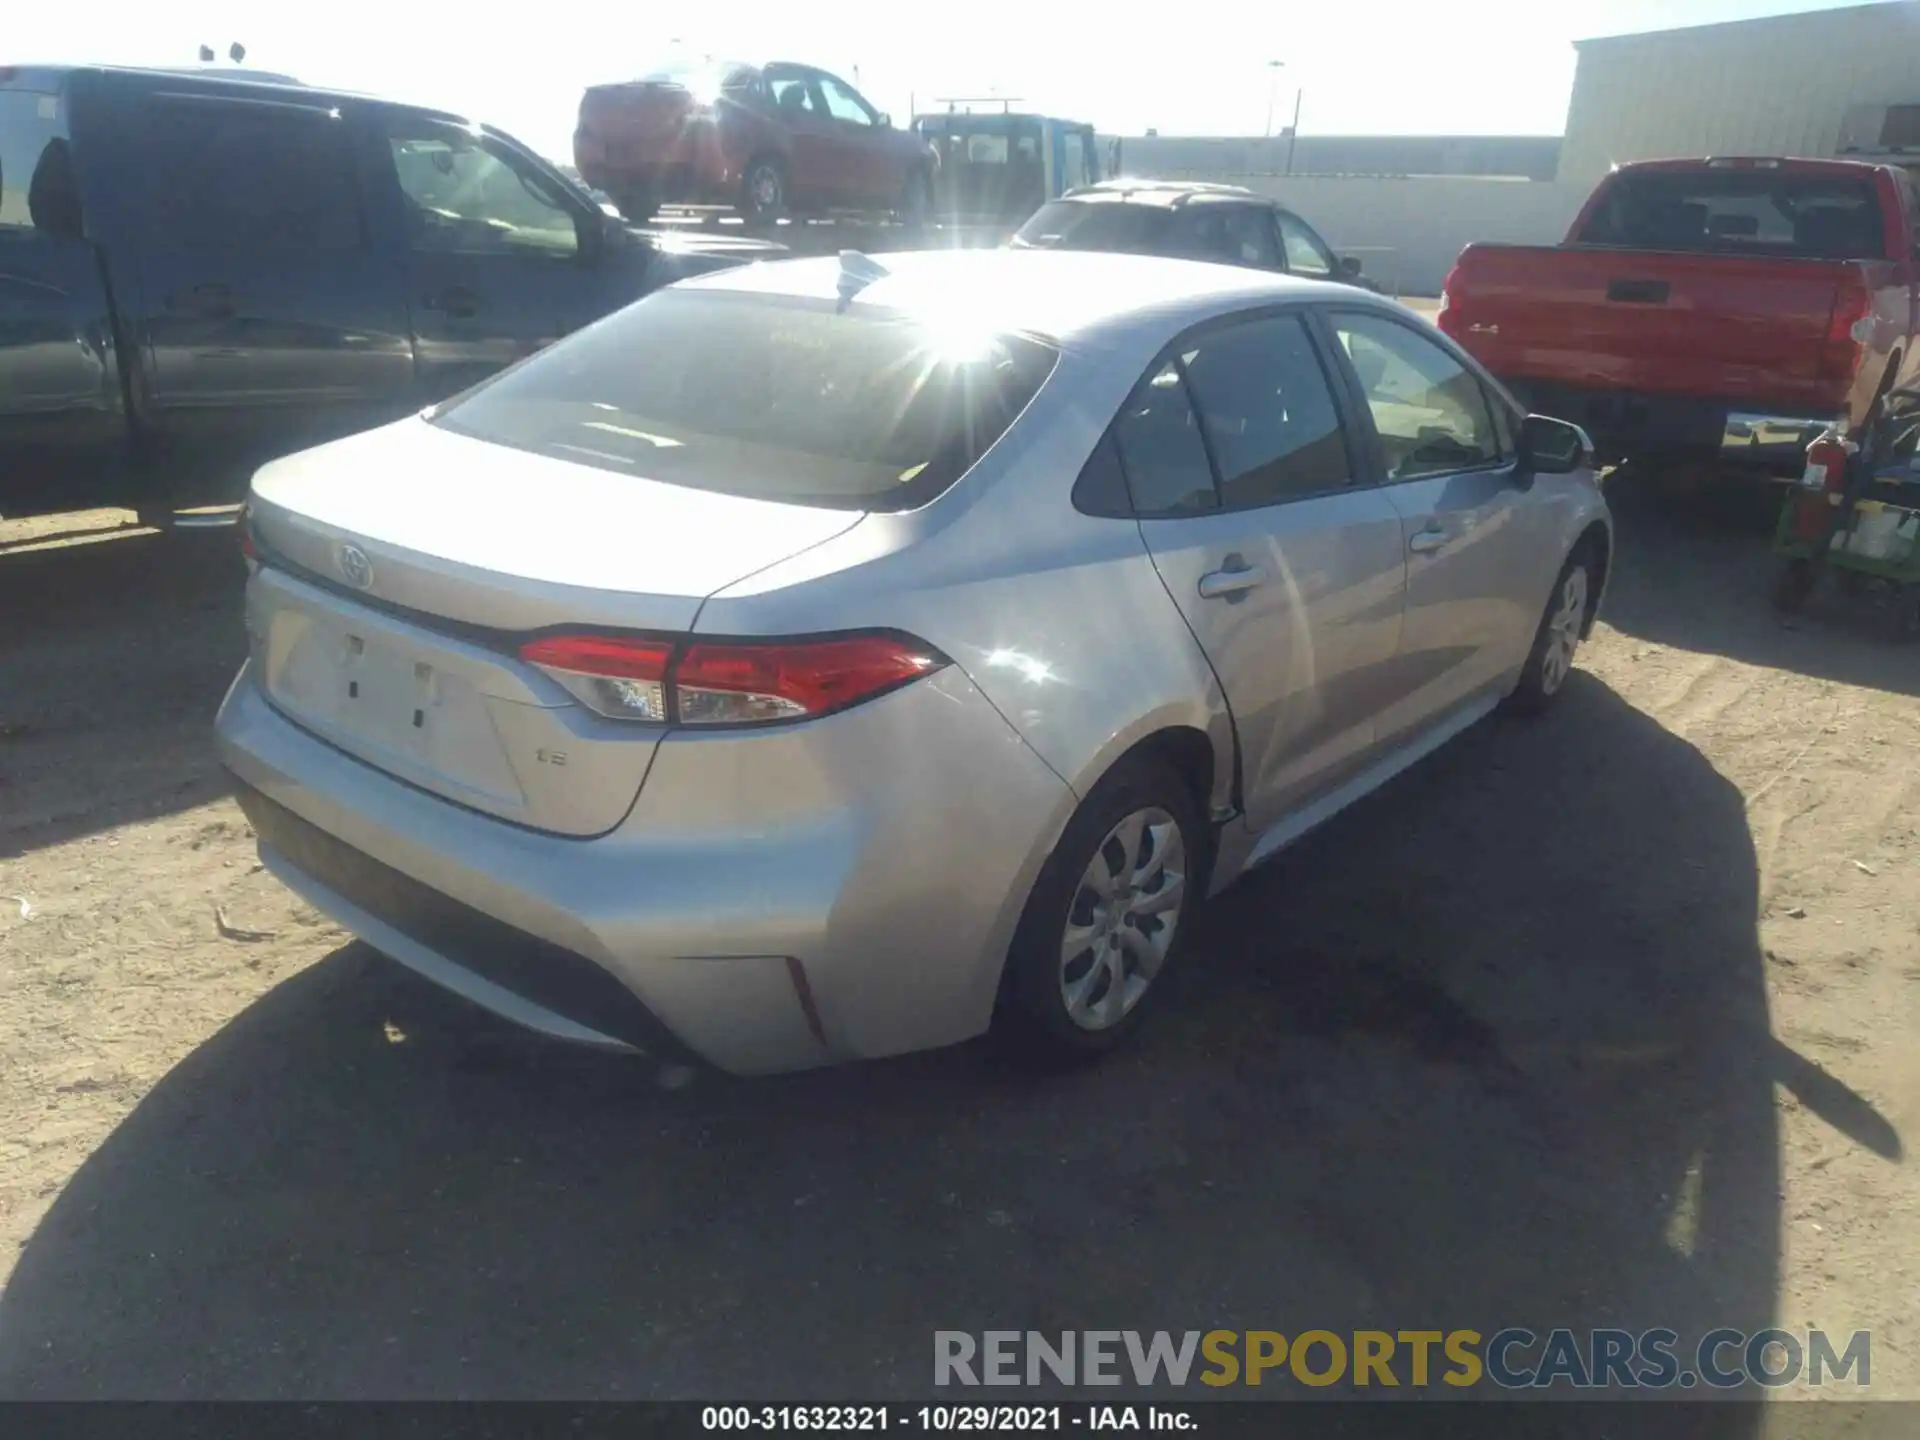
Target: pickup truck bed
{"points": [[1702, 308]]}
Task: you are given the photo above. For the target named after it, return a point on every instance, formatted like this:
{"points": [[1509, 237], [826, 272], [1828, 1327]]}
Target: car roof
{"points": [[1163, 192], [1789, 164], [1066, 296], [227, 80]]}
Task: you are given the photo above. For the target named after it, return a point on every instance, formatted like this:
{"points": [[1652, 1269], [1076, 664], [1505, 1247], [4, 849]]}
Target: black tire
{"points": [[763, 191], [1035, 1020], [1548, 667], [1795, 586]]}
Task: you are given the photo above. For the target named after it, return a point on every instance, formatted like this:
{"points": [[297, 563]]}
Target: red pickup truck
{"points": [[1724, 308]]}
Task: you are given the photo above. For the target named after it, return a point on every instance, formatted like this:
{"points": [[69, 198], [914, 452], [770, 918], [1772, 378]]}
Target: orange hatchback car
{"points": [[769, 140]]}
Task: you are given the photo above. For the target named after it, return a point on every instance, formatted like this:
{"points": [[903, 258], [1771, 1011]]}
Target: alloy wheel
{"points": [[1122, 918], [1563, 631]]}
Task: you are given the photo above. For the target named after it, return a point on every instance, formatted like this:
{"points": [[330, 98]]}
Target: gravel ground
{"points": [[1606, 1019]]}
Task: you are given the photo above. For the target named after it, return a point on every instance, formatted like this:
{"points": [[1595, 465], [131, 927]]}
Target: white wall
{"points": [[1407, 232]]}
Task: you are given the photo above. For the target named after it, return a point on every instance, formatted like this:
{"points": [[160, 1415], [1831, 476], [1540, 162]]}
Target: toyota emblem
{"points": [[355, 568]]}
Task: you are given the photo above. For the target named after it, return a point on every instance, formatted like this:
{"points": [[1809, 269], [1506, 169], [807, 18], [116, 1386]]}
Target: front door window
{"points": [[463, 197]]}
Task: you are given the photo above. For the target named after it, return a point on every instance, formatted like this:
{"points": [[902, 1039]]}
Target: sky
{"points": [[1357, 67]]}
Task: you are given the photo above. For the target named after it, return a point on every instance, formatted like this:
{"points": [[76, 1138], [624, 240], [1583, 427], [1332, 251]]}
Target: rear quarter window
{"points": [[768, 397]]}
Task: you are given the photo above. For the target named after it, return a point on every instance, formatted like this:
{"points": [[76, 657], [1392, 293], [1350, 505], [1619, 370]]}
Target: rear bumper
{"points": [[1627, 425], [690, 171], [754, 908]]}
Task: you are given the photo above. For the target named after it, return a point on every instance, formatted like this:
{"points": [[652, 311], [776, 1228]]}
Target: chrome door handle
{"points": [[1427, 541], [1236, 577]]}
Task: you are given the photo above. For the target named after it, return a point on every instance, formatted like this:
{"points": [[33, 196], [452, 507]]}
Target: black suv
{"points": [[1222, 223]]}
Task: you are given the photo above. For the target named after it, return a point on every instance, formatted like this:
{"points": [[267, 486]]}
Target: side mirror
{"points": [[886, 121], [601, 234], [1553, 447], [1350, 267], [615, 233]]}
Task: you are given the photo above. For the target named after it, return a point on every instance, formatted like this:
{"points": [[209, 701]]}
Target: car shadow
{"points": [[114, 657], [1696, 571], [1490, 1050]]}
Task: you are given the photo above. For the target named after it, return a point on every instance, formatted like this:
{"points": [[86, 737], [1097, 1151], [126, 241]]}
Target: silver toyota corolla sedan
{"points": [[833, 658]]}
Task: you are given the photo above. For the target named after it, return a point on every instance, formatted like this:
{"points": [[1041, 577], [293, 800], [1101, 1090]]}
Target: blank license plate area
{"points": [[389, 704], [385, 695]]}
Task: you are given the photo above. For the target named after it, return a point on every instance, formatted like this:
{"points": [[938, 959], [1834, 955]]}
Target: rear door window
{"points": [[1268, 412], [250, 178], [1247, 236], [770, 397], [792, 93], [1220, 233], [1741, 212]]}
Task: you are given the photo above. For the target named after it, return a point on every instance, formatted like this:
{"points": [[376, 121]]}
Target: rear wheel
{"points": [[763, 191], [1557, 640], [1106, 917]]}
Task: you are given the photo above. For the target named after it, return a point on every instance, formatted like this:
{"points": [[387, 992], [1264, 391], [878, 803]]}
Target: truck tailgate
{"points": [[1715, 325]]}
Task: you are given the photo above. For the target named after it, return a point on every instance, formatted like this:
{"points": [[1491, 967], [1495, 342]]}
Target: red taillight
{"points": [[740, 684], [722, 683], [1849, 329], [244, 528], [608, 656]]}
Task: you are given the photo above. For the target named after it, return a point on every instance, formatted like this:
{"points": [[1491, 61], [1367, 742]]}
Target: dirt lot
{"points": [[1607, 1019]]}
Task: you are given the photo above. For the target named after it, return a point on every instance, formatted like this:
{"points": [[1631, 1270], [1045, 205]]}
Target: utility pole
{"points": [[1274, 67], [1293, 135]]}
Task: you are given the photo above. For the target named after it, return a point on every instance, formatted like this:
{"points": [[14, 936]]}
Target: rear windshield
{"points": [[1741, 212], [768, 397], [1097, 225]]}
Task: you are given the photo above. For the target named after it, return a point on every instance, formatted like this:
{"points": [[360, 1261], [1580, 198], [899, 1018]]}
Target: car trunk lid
{"points": [[403, 566], [637, 110]]}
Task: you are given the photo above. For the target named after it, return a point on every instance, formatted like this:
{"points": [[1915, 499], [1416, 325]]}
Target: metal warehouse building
{"points": [[1812, 84]]}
